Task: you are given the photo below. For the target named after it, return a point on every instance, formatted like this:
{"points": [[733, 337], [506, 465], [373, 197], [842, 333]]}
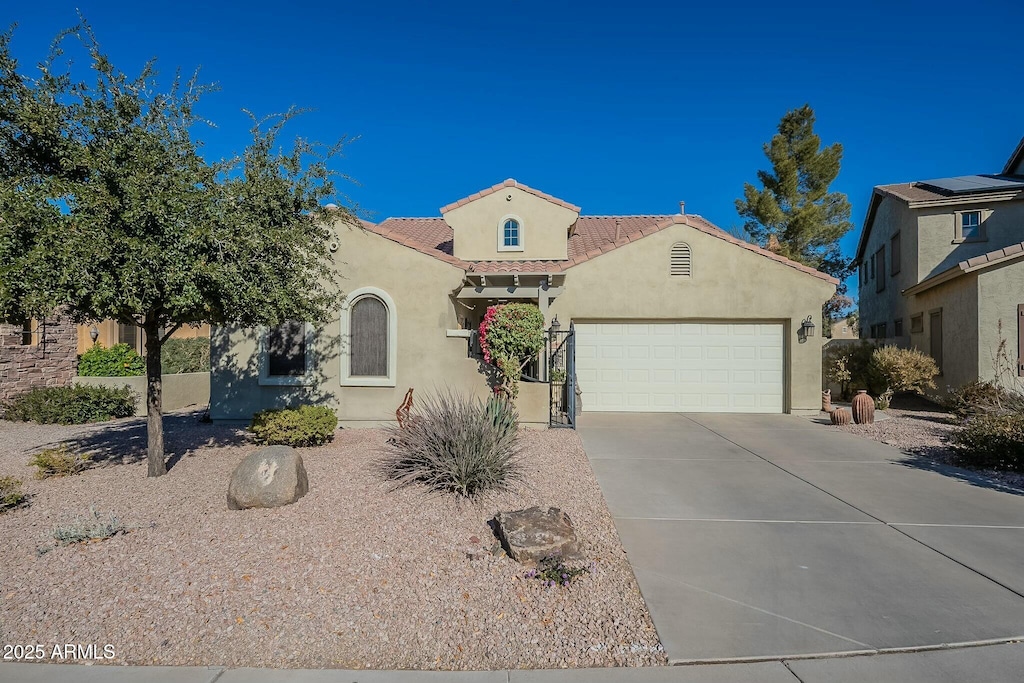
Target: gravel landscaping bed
{"points": [[354, 575], [922, 430]]}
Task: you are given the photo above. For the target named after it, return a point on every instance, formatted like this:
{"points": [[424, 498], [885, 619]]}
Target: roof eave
{"points": [[1015, 159]]}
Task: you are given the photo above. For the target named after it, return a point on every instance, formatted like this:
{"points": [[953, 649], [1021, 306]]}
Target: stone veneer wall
{"points": [[51, 361]]}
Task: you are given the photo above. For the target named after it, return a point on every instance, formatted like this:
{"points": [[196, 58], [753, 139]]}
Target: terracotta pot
{"points": [[840, 416], [826, 401], [863, 408]]}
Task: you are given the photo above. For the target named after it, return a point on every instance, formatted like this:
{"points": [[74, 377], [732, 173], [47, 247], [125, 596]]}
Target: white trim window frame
{"points": [[519, 245], [979, 227], [347, 379], [266, 379]]}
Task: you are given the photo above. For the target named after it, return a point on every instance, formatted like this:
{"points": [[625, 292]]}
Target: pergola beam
{"points": [[512, 292]]}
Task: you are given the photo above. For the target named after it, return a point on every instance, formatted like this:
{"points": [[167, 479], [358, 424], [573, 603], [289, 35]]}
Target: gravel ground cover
{"points": [[922, 430], [354, 575]]}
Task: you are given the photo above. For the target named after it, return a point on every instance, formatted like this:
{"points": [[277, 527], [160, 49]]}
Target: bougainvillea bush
{"points": [[510, 335]]}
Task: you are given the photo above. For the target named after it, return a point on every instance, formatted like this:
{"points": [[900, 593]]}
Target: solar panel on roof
{"points": [[974, 183]]}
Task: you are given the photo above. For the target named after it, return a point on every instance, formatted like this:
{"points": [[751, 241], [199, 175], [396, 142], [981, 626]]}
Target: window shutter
{"points": [[1020, 340], [681, 261], [369, 338]]}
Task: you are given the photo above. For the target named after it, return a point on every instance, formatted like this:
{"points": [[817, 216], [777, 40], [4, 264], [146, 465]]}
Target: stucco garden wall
{"points": [[179, 390], [728, 284]]}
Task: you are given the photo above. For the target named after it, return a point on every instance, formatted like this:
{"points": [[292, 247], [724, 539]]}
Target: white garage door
{"points": [[680, 367]]}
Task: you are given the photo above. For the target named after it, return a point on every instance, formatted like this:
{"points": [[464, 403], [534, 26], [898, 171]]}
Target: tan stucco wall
{"points": [[421, 288], [889, 305], [544, 227], [179, 391], [937, 228], [728, 283], [1000, 290], [958, 300]]}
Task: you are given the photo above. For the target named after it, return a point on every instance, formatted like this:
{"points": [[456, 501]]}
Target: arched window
{"points": [[680, 263], [369, 339], [510, 234], [369, 334]]}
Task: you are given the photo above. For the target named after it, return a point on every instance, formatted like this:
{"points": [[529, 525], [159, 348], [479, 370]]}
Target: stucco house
{"points": [[941, 267], [669, 312]]}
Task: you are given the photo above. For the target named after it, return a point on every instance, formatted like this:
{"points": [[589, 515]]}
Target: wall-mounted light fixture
{"points": [[806, 329], [555, 325], [94, 333]]}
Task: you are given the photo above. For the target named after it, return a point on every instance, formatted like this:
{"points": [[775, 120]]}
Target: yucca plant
{"points": [[456, 444]]}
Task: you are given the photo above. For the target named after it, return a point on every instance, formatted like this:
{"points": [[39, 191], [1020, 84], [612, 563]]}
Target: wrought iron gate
{"points": [[561, 376]]}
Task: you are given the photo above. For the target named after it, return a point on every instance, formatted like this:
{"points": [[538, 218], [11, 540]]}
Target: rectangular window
{"points": [[935, 336], [970, 226], [128, 334], [897, 328], [894, 254], [880, 268], [878, 331], [872, 269], [917, 323], [286, 349]]}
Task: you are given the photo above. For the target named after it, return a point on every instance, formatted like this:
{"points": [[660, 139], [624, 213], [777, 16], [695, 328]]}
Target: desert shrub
{"points": [[510, 335], [92, 527], [302, 426], [60, 461], [455, 444], [552, 571], [185, 355], [120, 360], [991, 442], [848, 365], [76, 404], [894, 369], [983, 398], [11, 495]]}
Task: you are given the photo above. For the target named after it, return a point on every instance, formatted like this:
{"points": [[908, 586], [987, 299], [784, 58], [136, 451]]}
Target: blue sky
{"points": [[625, 107]]}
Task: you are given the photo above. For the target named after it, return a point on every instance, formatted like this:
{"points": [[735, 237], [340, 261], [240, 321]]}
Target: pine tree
{"points": [[795, 206]]}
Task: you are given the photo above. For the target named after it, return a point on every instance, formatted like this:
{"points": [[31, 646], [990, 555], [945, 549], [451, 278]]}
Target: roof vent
{"points": [[682, 208], [680, 263], [618, 229]]}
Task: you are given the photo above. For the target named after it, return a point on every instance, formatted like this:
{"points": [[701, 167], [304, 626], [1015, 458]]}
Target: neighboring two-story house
{"points": [[941, 268]]}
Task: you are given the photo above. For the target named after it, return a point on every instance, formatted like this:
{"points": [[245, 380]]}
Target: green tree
{"points": [[108, 210], [795, 204]]}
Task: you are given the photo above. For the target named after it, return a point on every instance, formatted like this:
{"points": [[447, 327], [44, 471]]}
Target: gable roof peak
{"points": [[510, 182]]}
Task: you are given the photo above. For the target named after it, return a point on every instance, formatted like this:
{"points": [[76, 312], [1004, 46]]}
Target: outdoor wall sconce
{"points": [[806, 329], [94, 334], [555, 325]]}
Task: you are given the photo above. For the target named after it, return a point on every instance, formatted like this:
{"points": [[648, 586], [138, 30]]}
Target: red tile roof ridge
{"points": [[510, 182], [712, 229]]}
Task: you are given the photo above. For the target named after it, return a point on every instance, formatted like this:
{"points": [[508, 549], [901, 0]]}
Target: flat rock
{"points": [[530, 535], [268, 478]]}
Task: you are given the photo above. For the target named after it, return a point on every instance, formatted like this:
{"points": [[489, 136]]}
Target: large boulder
{"points": [[269, 478], [530, 535]]}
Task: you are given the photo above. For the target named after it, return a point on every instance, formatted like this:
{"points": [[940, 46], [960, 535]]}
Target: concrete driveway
{"points": [[757, 536]]}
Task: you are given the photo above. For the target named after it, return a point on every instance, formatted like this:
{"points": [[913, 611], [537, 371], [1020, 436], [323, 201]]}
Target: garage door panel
{"points": [[681, 367]]}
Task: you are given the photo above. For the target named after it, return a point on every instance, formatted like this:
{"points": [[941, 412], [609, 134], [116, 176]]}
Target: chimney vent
{"points": [[682, 208], [618, 229]]}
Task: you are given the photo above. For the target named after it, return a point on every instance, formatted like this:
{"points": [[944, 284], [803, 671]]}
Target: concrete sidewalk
{"points": [[989, 664], [770, 536]]}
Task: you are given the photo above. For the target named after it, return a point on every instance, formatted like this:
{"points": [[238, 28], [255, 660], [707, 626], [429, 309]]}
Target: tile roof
{"points": [[594, 235], [1009, 253], [911, 192], [511, 182]]}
